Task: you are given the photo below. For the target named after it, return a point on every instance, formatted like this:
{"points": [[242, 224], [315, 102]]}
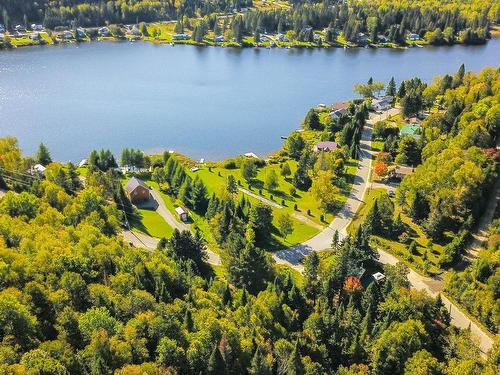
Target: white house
{"points": [[381, 104], [83, 163], [378, 277], [413, 37], [103, 31], [38, 169]]}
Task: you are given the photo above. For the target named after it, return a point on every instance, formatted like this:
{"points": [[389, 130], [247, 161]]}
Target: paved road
{"points": [[292, 256], [164, 212], [434, 287], [150, 243]]}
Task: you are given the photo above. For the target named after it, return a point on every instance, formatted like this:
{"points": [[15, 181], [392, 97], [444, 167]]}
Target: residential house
{"points": [[382, 104], [400, 172], [182, 36], [20, 28], [66, 35], [413, 37], [325, 146], [36, 27], [362, 38], [281, 37], [339, 109], [182, 213], [411, 129], [382, 38], [137, 191], [2, 28], [219, 39], [251, 155], [103, 31], [37, 169], [80, 33], [83, 163]]}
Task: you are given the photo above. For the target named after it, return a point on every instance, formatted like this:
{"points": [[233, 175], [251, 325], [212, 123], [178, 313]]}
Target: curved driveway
{"points": [[293, 255]]}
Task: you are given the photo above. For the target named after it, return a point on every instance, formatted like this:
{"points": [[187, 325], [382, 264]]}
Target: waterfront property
{"points": [[382, 104], [137, 191], [339, 109], [325, 146]]}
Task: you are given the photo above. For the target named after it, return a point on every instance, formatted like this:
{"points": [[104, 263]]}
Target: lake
{"points": [[205, 102]]}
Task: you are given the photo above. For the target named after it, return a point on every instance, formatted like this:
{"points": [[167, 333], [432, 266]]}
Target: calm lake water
{"points": [[204, 102]]}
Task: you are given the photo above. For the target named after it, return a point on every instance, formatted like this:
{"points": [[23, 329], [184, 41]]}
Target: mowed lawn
{"points": [[151, 223]]}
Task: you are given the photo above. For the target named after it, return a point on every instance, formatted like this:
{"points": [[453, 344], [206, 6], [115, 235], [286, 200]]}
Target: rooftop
{"points": [[340, 105], [133, 183], [326, 145]]}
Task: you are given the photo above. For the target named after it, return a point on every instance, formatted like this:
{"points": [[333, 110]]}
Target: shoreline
{"points": [[269, 44]]}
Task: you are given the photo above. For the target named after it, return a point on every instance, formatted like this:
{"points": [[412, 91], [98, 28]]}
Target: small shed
{"points": [[182, 213], [379, 277], [137, 191]]}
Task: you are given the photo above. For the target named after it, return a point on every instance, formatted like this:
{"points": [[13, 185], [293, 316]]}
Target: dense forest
{"points": [[382, 20], [478, 287], [76, 299]]}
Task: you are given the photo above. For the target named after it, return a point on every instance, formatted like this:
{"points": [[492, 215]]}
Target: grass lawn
{"points": [[151, 223]]}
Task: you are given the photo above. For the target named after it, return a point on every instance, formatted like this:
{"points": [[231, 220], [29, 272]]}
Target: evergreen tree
{"points": [[227, 297], [199, 200], [311, 268], [391, 88], [43, 155], [231, 185], [258, 365], [294, 361], [216, 364], [312, 120], [402, 90], [335, 240]]}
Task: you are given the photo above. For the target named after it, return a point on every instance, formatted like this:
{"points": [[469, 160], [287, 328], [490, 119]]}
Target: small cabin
{"points": [[182, 213]]}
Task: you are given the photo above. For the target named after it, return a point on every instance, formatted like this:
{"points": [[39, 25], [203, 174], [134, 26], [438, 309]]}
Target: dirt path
{"points": [[165, 213], [307, 221], [262, 199]]}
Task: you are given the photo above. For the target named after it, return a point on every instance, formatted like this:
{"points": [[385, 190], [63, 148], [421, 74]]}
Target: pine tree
{"points": [[258, 365], [43, 155], [335, 240], [294, 361], [185, 192], [213, 207], [402, 90], [188, 320], [231, 186], [227, 297], [198, 197], [216, 364], [391, 88]]}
